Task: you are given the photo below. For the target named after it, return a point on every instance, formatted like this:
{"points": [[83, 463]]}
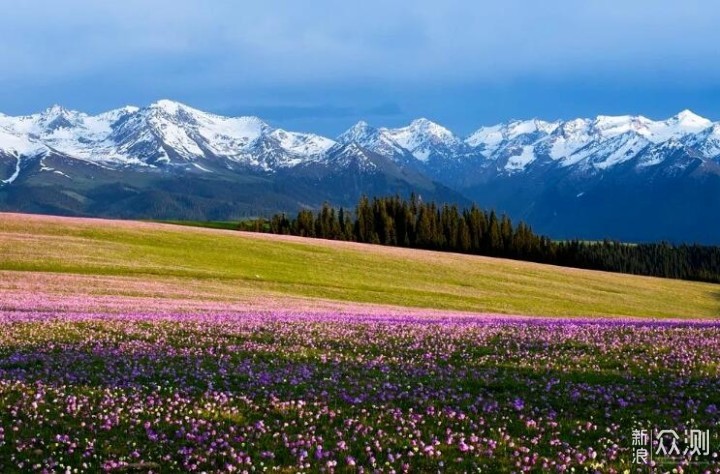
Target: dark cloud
{"points": [[330, 63]]}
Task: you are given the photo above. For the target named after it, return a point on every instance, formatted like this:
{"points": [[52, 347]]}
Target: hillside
{"points": [[153, 261]]}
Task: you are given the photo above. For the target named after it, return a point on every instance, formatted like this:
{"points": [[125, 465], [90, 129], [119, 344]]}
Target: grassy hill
{"points": [[227, 263]]}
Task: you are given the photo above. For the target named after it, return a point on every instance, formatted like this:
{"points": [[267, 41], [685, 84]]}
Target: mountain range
{"points": [[619, 177]]}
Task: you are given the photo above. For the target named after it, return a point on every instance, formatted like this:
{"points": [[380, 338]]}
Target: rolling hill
{"points": [[73, 257]]}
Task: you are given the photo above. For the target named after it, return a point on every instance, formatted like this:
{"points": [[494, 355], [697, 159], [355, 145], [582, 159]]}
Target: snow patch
{"points": [[520, 162], [302, 144], [15, 174], [201, 168]]}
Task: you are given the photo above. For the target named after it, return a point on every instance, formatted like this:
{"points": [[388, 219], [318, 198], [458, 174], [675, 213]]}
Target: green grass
{"points": [[357, 273], [226, 225]]}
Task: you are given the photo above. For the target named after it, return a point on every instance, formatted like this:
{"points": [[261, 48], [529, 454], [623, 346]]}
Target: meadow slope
{"points": [[71, 256]]}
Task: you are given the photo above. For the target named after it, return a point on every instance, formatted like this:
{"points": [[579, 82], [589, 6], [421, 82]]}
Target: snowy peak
{"points": [[425, 128], [574, 128], [170, 107], [380, 141], [421, 132], [689, 119], [54, 111], [421, 140], [196, 134], [54, 119], [171, 118], [598, 143], [683, 124], [606, 126], [169, 133], [162, 133], [600, 128], [305, 144], [523, 127], [490, 137], [361, 132], [486, 137]]}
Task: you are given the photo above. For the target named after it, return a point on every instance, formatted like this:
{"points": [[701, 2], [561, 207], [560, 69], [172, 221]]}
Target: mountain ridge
{"points": [[550, 173], [140, 136]]}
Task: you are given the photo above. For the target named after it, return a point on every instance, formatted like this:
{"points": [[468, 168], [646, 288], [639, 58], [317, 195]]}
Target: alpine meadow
{"points": [[369, 237]]}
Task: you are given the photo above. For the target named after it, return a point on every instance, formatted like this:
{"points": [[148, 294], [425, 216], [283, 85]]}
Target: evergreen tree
{"points": [[417, 224]]}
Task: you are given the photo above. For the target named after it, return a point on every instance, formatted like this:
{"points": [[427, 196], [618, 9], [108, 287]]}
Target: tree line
{"points": [[413, 223]]}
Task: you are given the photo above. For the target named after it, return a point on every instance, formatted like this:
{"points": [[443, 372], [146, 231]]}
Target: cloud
{"points": [[328, 63], [286, 42]]}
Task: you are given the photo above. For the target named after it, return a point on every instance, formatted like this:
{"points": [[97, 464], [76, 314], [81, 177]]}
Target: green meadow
{"points": [[283, 266]]}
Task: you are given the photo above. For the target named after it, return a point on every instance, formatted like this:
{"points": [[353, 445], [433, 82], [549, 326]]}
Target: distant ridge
{"points": [[625, 177]]}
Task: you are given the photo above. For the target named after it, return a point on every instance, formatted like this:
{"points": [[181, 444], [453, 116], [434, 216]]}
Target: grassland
{"points": [[146, 347], [226, 225], [228, 264]]}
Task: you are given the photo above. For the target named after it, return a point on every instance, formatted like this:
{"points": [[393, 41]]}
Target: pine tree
{"points": [[414, 223]]}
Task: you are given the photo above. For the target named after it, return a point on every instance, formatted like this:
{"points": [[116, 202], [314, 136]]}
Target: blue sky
{"points": [[322, 65]]}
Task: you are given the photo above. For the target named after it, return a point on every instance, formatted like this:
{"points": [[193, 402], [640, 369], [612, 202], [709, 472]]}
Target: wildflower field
{"points": [[135, 371]]}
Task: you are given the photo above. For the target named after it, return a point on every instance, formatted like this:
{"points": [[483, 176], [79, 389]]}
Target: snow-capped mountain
{"points": [[488, 139], [625, 177], [707, 142], [170, 133], [422, 141], [591, 144], [550, 173], [164, 133], [376, 140]]}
